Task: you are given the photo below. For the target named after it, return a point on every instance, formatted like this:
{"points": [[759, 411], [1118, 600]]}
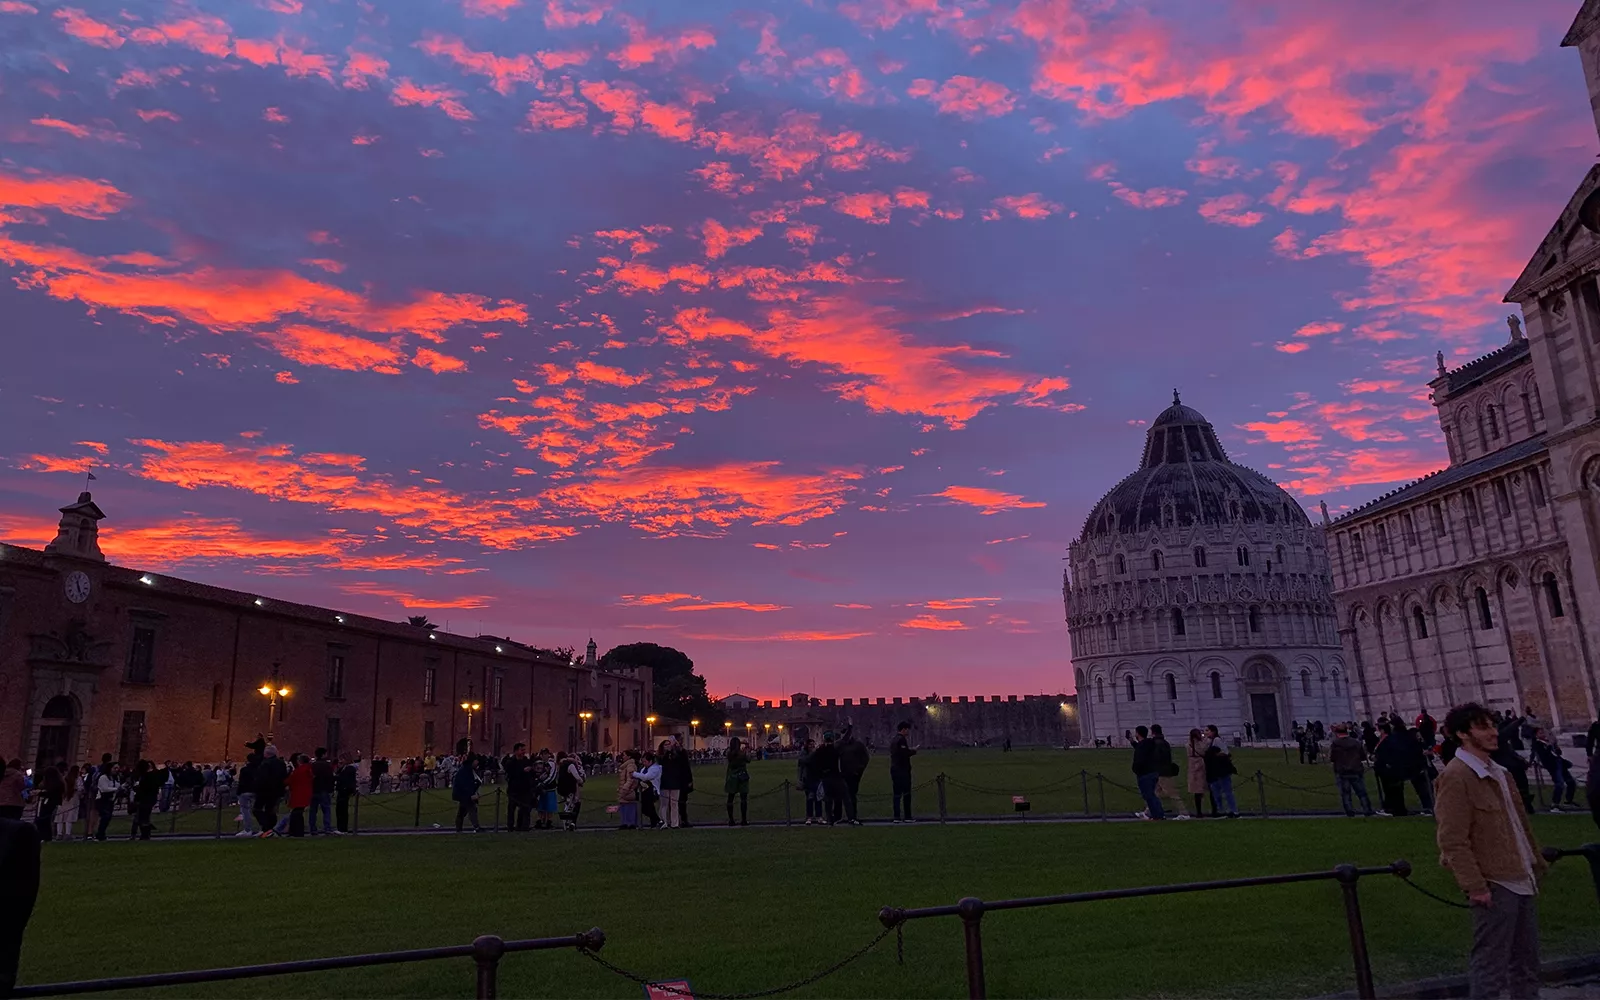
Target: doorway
{"points": [[1264, 707], [56, 730]]}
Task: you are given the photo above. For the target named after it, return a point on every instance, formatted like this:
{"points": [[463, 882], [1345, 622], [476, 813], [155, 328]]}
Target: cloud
{"points": [[360, 67], [959, 603], [1229, 210], [437, 363], [80, 196], [932, 623], [811, 635], [1023, 206], [408, 599], [986, 500], [966, 97], [489, 8], [719, 239], [1156, 197], [503, 72], [407, 93], [643, 48], [86, 29]]}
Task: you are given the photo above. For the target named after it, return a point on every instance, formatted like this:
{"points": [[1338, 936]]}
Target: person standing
{"points": [[246, 794], [1146, 773], [346, 786], [322, 784], [148, 781], [853, 758], [1195, 777], [569, 786], [105, 795], [1348, 757], [900, 753], [1166, 770], [51, 789], [1391, 763], [825, 762], [649, 778], [1486, 842], [1219, 775], [519, 788], [270, 778], [1548, 753], [810, 784], [672, 781], [302, 784], [464, 787], [737, 782], [544, 790]]}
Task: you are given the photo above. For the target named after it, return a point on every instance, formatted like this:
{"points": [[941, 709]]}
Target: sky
{"points": [[799, 336]]}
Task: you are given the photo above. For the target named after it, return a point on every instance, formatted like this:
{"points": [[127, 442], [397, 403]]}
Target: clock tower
{"points": [[78, 535]]}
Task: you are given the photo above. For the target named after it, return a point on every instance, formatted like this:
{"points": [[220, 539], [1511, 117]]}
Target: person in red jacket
{"points": [[300, 782]]}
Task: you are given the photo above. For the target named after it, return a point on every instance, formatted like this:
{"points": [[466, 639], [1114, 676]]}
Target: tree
{"points": [[420, 621], [678, 691]]}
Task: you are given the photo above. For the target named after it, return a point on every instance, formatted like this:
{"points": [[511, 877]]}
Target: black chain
{"points": [[1436, 896], [789, 988]]}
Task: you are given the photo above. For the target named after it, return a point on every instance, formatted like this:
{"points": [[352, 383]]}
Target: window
{"points": [[498, 689], [1357, 552], [1111, 626], [1502, 498], [131, 746], [1436, 514], [1494, 423], [1408, 529], [1536, 487], [1255, 619], [1383, 539], [605, 706], [430, 679], [1122, 564], [427, 736], [1128, 681], [1280, 556], [1336, 682], [331, 738], [1172, 688], [142, 656], [1470, 500], [1485, 619], [335, 676], [1100, 690], [1216, 684], [216, 702], [1305, 683], [1177, 621], [1419, 623], [572, 695], [1199, 555], [1242, 553], [1552, 593], [1483, 439], [388, 711], [1155, 561]]}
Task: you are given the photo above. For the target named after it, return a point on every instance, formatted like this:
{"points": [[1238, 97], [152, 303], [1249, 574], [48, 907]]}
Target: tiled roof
{"points": [[1449, 476], [1486, 366]]}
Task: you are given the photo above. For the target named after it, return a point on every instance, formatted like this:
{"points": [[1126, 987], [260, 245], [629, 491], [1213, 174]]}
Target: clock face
{"points": [[77, 587]]}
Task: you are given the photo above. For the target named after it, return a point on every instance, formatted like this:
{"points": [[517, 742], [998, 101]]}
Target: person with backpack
{"points": [[569, 787], [1166, 770], [1219, 774]]}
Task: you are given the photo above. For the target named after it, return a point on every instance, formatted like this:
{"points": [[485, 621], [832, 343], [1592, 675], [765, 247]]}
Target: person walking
{"points": [[270, 779], [1487, 843], [346, 786], [302, 787], [106, 786], [853, 758], [1166, 770], [737, 782], [569, 786], [900, 753], [519, 788], [649, 777], [1219, 774], [1548, 753], [1391, 763], [1146, 773], [1349, 757], [322, 786], [825, 761], [464, 787], [148, 781], [685, 766], [1195, 778]]}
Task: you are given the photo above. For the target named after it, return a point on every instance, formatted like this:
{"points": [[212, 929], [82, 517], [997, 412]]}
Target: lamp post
{"points": [[780, 734], [694, 734], [272, 691], [649, 731], [469, 707], [583, 721], [766, 733], [747, 728]]}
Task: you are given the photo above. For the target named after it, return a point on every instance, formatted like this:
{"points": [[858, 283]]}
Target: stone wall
{"points": [[1028, 720]]}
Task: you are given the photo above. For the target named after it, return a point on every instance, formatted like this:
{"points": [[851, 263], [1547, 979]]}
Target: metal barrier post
{"points": [[1348, 878], [971, 913], [1083, 776], [1261, 789], [941, 797], [1286, 753], [1538, 784], [1100, 780], [496, 824], [417, 820], [486, 952], [218, 805], [788, 809], [355, 821]]}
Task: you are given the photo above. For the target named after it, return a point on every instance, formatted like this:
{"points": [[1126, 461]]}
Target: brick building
{"points": [[99, 658]]}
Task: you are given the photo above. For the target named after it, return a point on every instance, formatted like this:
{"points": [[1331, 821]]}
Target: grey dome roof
{"points": [[1185, 466]]}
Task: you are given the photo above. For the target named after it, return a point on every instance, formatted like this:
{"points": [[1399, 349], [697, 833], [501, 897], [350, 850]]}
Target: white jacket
{"points": [[652, 774]]}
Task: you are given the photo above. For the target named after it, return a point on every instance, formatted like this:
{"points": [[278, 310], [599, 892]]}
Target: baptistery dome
{"points": [[1185, 477]]}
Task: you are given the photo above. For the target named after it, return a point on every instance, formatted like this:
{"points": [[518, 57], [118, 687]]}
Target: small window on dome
{"points": [[1242, 553], [1172, 688], [1128, 686], [1122, 564], [1177, 622], [1216, 684], [1199, 555], [1155, 561], [1255, 619]]}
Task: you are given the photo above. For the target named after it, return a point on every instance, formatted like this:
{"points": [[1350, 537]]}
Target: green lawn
{"points": [[749, 909], [979, 783]]}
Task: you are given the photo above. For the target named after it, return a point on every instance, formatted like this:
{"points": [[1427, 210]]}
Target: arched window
{"points": [[1419, 622], [1305, 682], [1243, 555], [1483, 439], [1216, 684], [1100, 690], [1177, 622], [1335, 679], [1485, 619], [1122, 564], [1172, 688], [1552, 593], [1280, 556], [1494, 423], [1128, 682], [1155, 561], [1255, 619], [1199, 555], [1111, 626]]}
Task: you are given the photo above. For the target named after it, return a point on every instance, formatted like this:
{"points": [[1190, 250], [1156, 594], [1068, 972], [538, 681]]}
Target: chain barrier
{"points": [[1300, 788], [958, 783], [1436, 897], [774, 991]]}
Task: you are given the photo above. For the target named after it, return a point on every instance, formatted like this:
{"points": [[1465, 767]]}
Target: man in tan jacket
{"points": [[1486, 843]]}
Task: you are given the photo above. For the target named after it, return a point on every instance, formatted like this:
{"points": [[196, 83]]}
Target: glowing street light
{"points": [[649, 730], [694, 734], [273, 690], [583, 720], [469, 707]]}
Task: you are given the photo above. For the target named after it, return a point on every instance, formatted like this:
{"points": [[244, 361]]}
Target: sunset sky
{"points": [[799, 336]]}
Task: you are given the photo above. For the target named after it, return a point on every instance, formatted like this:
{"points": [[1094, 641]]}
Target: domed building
{"points": [[1198, 594]]}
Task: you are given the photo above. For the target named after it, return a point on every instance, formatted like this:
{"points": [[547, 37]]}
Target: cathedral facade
{"points": [[1198, 594], [1480, 580]]}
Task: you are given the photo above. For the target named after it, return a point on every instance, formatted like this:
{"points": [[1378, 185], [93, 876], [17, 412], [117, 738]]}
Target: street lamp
{"points": [[727, 728], [780, 734], [766, 732], [583, 720], [469, 707], [694, 734], [649, 732], [272, 691], [747, 727]]}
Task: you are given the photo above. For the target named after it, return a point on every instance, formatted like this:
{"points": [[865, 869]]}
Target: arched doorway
{"points": [[58, 724], [1261, 688]]}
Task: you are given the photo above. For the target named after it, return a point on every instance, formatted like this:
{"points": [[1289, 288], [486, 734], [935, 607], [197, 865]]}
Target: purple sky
{"points": [[799, 337]]}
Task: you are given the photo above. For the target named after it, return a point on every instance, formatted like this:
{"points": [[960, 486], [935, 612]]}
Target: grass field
{"points": [[979, 783], [736, 910]]}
